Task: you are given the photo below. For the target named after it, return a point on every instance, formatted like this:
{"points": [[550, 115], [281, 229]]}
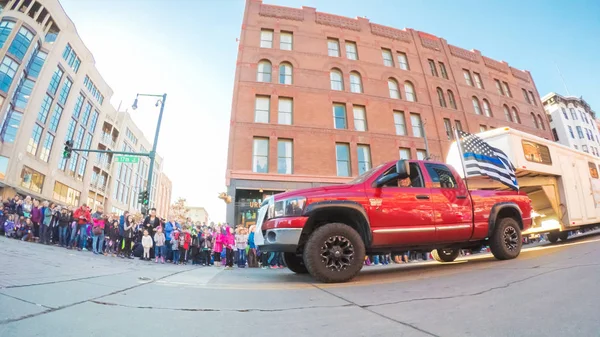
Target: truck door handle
{"points": [[461, 197], [422, 196]]}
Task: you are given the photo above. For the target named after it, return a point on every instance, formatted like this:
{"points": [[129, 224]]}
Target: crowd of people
{"points": [[128, 236]]}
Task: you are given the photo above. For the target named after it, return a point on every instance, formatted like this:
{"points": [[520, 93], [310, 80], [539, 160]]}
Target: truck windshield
{"points": [[361, 178]]}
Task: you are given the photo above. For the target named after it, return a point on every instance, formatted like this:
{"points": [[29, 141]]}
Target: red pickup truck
{"points": [[392, 208]]}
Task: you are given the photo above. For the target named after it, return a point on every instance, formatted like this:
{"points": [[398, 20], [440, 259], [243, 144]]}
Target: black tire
{"points": [[334, 253], [295, 263], [553, 237], [563, 236], [445, 255], [506, 241]]}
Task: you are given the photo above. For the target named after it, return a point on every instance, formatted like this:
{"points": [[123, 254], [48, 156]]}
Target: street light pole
{"points": [[152, 153]]}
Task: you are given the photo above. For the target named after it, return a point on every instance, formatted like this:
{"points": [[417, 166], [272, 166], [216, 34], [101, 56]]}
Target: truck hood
{"points": [[322, 191]]}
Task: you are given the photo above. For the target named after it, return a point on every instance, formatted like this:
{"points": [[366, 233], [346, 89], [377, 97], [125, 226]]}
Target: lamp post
{"points": [[152, 153]]}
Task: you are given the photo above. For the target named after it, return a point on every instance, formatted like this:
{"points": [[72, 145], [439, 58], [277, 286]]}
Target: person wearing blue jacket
{"points": [[170, 226], [122, 233]]}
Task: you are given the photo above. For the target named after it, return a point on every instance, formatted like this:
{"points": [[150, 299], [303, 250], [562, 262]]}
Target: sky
{"points": [[188, 49]]}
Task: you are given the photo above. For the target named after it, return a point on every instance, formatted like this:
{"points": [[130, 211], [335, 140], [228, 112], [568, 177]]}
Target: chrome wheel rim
{"points": [[337, 253], [511, 238]]}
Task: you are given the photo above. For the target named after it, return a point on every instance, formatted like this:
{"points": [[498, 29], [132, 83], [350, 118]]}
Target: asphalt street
{"points": [[550, 290]]}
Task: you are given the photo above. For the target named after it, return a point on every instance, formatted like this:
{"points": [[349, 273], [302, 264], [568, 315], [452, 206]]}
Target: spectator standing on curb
{"points": [[46, 223], [64, 220], [83, 218], [122, 219], [151, 222], [159, 245], [98, 230], [169, 227], [241, 242], [147, 244], [229, 245], [129, 228], [252, 258], [217, 245], [32, 209]]}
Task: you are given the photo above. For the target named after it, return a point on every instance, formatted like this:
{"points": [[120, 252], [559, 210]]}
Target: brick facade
{"points": [[312, 130]]}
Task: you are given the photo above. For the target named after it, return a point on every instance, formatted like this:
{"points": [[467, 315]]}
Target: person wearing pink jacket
{"points": [[217, 245], [229, 244]]}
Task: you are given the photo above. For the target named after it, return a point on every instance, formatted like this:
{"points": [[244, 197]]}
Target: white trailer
{"points": [[562, 183]]}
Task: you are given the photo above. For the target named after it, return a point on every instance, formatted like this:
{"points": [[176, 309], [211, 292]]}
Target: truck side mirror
{"points": [[403, 169]]}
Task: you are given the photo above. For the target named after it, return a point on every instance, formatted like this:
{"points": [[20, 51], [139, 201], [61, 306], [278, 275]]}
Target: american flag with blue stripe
{"points": [[486, 160]]}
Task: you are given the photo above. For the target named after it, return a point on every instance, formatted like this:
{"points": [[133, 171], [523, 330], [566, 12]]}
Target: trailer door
{"points": [[587, 194], [572, 189]]}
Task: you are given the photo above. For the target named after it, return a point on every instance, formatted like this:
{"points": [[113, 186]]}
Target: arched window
{"points": [[355, 82], [486, 108], [476, 106], [451, 100], [285, 73], [507, 114], [535, 122], [264, 71], [393, 86], [441, 98], [336, 79], [409, 92], [542, 122], [515, 115]]}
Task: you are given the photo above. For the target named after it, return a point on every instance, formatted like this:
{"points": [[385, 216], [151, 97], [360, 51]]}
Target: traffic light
{"points": [[143, 198], [68, 149]]}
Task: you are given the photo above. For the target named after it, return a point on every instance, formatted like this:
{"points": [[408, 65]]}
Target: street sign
{"points": [[128, 159]]}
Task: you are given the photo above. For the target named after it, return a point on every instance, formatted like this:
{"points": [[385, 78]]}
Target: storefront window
{"points": [[3, 166], [32, 179]]}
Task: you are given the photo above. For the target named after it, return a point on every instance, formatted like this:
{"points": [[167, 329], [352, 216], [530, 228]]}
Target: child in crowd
{"points": [[252, 257], [184, 244], [159, 245], [112, 239], [147, 244], [241, 242], [27, 230], [175, 246], [9, 226], [206, 244], [229, 243], [217, 245]]}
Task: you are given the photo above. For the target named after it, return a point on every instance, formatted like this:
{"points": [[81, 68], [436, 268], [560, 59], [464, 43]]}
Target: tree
{"points": [[179, 210]]}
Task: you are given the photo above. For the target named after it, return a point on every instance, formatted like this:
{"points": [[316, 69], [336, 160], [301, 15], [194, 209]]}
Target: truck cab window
{"points": [[414, 180], [441, 176]]}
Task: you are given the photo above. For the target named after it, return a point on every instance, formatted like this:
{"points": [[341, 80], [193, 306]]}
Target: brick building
{"points": [[319, 98]]}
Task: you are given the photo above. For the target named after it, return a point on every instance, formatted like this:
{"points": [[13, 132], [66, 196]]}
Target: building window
{"points": [[388, 61], [65, 194], [555, 134], [564, 112], [285, 73], [21, 43], [535, 122], [64, 91], [93, 121], [34, 140], [478, 81], [404, 153], [458, 125], [532, 98], [285, 40], [360, 118], [486, 108], [339, 116], [448, 128], [342, 157], [584, 148], [23, 93], [55, 81], [266, 38], [284, 114], [417, 128], [81, 170], [3, 167], [482, 128], [364, 158], [12, 126], [8, 68], [400, 123], [476, 106], [260, 154], [32, 179], [36, 64], [351, 51], [55, 118], [443, 70], [403, 61], [393, 88], [499, 87], [573, 114], [515, 115], [432, 68], [261, 109], [526, 97], [45, 153], [355, 82], [421, 154], [333, 47], [336, 80], [6, 28], [264, 71], [284, 156], [467, 76], [507, 114], [506, 89], [541, 122], [441, 98], [571, 131], [409, 92], [44, 109], [451, 100]]}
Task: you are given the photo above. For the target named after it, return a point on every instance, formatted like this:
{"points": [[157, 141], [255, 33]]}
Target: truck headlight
{"points": [[287, 207]]}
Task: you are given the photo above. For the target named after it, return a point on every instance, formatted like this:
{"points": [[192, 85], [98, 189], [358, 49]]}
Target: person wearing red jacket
{"points": [[84, 218], [185, 239]]}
